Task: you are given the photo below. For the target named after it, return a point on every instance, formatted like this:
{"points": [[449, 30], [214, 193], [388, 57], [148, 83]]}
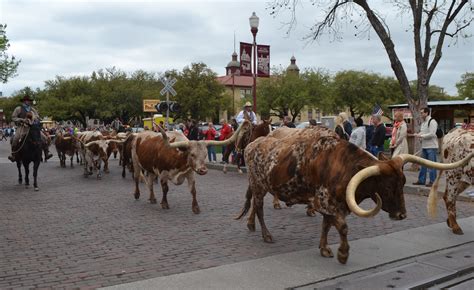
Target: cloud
{"points": [[77, 37]]}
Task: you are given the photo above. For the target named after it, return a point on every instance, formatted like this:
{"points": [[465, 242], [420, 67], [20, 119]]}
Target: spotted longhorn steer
{"points": [[171, 157], [457, 144], [97, 152], [315, 167]]}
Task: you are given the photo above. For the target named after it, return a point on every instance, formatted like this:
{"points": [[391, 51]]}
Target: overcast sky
{"points": [[69, 38]]}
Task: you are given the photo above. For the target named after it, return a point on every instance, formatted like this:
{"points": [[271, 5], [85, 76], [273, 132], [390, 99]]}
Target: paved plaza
{"points": [[84, 232]]}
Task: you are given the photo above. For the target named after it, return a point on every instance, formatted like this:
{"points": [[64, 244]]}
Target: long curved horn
{"points": [[180, 144], [352, 187], [436, 165], [231, 139]]}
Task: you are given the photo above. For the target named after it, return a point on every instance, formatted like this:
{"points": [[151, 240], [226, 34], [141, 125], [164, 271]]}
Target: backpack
{"points": [[439, 132]]}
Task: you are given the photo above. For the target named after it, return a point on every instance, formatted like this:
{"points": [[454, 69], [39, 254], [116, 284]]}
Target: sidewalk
{"points": [[411, 176], [412, 257]]}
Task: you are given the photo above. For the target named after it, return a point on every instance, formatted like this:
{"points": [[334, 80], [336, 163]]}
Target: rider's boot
{"points": [[49, 155], [12, 157]]}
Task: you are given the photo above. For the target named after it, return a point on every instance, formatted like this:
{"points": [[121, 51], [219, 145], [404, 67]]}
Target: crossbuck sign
{"points": [[168, 86], [168, 83]]}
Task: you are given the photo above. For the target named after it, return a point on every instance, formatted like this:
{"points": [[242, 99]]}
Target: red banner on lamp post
{"points": [[245, 59], [263, 59]]}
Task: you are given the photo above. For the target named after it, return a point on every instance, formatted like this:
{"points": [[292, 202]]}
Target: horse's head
{"points": [[34, 133]]}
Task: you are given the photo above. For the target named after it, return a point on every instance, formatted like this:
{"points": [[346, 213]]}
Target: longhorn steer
{"points": [[157, 156], [96, 152], [66, 145], [315, 167], [457, 144]]}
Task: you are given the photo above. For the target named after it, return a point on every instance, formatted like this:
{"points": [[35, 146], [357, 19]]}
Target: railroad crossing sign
{"points": [[168, 86]]}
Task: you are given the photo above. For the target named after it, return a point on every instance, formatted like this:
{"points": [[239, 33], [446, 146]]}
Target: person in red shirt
{"points": [[226, 131], [210, 134]]}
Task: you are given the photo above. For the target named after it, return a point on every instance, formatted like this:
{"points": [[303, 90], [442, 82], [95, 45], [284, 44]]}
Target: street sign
{"points": [[168, 83], [168, 86]]}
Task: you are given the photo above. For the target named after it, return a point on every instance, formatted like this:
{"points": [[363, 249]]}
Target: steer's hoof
{"points": [[136, 195], [276, 206], [310, 212], [251, 227], [152, 200], [164, 205], [196, 209], [457, 230], [326, 252], [342, 257], [268, 238]]}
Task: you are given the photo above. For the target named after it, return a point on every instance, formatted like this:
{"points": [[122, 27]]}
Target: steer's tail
{"points": [[245, 209], [433, 197]]}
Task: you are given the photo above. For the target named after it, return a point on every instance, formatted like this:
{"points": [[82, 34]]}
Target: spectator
{"points": [[226, 131], [340, 131], [287, 122], [398, 142], [429, 145], [210, 134], [358, 134], [378, 138], [193, 131], [346, 123]]}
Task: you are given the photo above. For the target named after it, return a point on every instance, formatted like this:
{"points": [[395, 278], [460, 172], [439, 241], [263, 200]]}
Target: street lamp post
{"points": [[253, 20]]}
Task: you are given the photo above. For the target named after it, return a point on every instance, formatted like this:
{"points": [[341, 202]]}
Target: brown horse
{"points": [[255, 131]]}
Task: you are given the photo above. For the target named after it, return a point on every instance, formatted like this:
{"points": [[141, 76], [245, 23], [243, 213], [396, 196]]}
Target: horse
{"points": [[30, 150], [262, 129]]}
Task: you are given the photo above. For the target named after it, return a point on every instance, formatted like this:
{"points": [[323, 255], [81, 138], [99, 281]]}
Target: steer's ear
{"points": [[381, 156]]}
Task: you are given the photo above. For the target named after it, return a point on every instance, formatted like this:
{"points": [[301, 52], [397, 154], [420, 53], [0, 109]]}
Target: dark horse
{"points": [[262, 129], [30, 150]]}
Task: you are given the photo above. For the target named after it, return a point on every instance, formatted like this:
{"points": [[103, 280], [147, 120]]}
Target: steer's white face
{"points": [[197, 157]]}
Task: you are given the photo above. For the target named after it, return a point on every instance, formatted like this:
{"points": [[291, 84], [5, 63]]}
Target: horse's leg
{"points": [[72, 160], [26, 165], [36, 165], [20, 177]]}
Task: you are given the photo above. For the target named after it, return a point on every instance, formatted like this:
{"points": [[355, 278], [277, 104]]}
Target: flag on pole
{"points": [[377, 110]]}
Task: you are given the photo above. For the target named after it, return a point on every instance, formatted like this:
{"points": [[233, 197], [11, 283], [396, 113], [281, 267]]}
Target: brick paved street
{"points": [[78, 232]]}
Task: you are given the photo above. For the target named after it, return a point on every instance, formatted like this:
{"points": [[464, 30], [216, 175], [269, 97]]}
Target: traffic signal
{"points": [[174, 107], [163, 106]]}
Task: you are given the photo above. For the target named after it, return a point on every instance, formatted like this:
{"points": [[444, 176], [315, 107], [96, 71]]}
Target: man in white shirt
{"points": [[247, 111], [429, 145]]}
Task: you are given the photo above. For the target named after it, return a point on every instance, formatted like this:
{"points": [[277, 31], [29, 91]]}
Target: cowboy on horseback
{"points": [[247, 113], [22, 121]]}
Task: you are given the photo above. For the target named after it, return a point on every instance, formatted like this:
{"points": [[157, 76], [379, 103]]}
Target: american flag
{"points": [[377, 110]]}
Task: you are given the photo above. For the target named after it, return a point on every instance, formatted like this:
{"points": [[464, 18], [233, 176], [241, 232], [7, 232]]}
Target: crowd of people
{"points": [[368, 137]]}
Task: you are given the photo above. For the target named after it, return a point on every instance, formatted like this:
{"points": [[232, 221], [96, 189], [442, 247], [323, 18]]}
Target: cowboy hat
{"points": [[26, 98], [248, 104]]}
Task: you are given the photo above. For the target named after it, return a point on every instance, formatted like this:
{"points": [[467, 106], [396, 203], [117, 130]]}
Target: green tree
{"points": [[466, 86], [432, 22], [8, 64], [288, 93], [360, 91], [198, 92]]}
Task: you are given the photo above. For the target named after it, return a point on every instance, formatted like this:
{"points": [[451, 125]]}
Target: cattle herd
{"points": [[310, 166]]}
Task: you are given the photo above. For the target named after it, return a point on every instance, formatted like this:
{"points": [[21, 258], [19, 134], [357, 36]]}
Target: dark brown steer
{"points": [[315, 167]]}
